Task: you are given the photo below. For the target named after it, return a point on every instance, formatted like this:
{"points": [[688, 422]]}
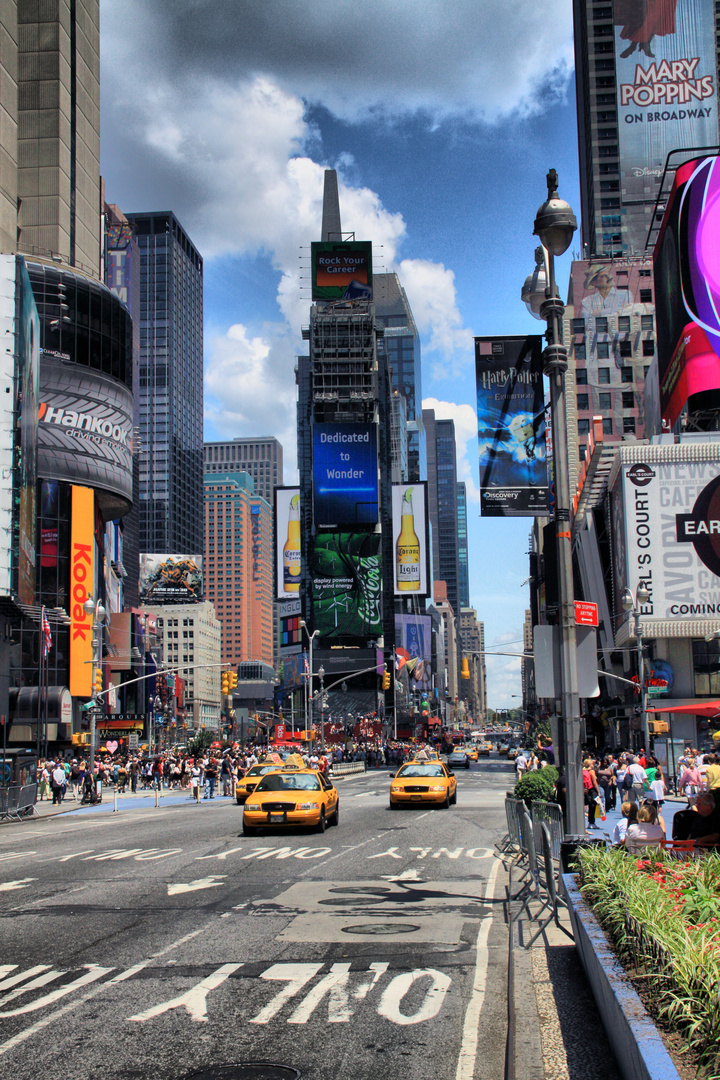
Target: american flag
{"points": [[47, 636]]}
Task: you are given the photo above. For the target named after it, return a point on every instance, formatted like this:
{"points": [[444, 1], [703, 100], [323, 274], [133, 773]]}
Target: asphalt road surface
{"points": [[161, 942]]}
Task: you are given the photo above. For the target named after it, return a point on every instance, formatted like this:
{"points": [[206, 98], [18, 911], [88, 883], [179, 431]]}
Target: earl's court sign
{"points": [[665, 509]]}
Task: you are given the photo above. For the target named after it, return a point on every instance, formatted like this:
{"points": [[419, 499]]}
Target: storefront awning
{"points": [[694, 706]]}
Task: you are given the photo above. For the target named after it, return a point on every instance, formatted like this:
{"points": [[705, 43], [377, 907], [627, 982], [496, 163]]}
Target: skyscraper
{"points": [[261, 458], [646, 84], [238, 566], [463, 562], [401, 344], [171, 386], [443, 504]]}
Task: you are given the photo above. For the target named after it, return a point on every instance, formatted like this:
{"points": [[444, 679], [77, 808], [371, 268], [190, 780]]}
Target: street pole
{"points": [[96, 609], [641, 677], [321, 673], [555, 224]]}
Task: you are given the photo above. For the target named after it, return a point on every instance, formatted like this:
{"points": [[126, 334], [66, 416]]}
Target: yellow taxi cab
{"points": [[247, 784], [294, 761], [472, 752], [484, 747], [293, 797], [423, 782]]}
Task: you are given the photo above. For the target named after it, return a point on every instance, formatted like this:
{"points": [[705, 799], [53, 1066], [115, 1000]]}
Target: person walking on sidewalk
{"points": [[59, 781]]}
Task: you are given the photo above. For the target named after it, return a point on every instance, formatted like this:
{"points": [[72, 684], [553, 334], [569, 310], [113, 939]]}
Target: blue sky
{"points": [[441, 121]]}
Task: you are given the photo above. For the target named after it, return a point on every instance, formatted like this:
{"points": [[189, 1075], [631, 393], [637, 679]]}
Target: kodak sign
{"points": [[82, 583]]}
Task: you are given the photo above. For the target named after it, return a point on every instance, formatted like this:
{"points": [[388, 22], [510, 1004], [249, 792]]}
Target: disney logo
{"points": [[647, 172]]}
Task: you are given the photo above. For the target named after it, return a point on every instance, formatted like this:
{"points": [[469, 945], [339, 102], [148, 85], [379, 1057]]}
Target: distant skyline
{"points": [[442, 126]]}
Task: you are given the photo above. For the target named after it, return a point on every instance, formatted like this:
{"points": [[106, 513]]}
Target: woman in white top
{"points": [[629, 817], [646, 833]]}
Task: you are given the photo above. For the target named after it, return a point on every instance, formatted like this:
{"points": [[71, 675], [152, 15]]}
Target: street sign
{"points": [[586, 614], [133, 742], [656, 691]]}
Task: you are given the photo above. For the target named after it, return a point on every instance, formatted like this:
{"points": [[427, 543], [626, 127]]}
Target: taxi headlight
{"points": [[396, 787], [436, 787], [307, 806]]}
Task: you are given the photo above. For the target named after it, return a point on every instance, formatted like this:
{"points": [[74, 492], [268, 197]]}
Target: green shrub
{"points": [[537, 785]]}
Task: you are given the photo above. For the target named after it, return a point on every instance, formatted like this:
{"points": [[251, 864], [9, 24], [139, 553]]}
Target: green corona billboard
{"points": [[342, 271]]}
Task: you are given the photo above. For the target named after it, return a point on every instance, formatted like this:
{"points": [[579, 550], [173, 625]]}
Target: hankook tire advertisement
{"points": [[85, 431], [672, 540]]}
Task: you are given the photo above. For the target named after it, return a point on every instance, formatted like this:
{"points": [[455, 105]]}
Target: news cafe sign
{"points": [[671, 512]]}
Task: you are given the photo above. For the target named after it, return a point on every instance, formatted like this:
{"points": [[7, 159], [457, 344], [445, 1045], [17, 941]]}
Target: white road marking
{"points": [[297, 975], [221, 855], [21, 883], [337, 985], [13, 980], [390, 853], [8, 855], [469, 1045], [194, 1000], [196, 886], [407, 875], [394, 993], [92, 974]]}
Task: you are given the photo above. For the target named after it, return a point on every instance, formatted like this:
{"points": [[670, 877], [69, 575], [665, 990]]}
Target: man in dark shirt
{"points": [[705, 828]]}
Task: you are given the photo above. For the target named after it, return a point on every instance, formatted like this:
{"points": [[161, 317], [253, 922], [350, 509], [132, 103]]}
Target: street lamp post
{"points": [[308, 689], [555, 225], [96, 609], [632, 605], [321, 673]]}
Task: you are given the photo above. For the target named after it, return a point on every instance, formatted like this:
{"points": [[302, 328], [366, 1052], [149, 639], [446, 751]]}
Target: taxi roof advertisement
{"points": [[666, 536], [666, 85], [342, 271]]}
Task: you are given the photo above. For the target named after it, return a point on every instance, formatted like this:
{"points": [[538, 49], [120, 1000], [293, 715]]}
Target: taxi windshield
{"points": [[421, 770], [260, 770], [285, 782]]}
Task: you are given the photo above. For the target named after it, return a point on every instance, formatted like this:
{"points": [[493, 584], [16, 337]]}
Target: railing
{"points": [[347, 768], [550, 814], [513, 809], [17, 802]]}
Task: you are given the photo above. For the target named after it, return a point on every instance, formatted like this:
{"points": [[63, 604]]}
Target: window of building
{"points": [[706, 667], [601, 324], [628, 425], [648, 347], [607, 425], [626, 348], [578, 326], [628, 399], [624, 324], [580, 352], [583, 425], [604, 402], [646, 296], [581, 376], [603, 375], [647, 322], [583, 401], [603, 350], [626, 374]]}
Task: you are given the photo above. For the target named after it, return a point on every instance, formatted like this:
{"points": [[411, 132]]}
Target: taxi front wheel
{"points": [[249, 830], [322, 823]]}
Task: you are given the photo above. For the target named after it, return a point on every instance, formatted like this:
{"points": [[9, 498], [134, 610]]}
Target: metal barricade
{"points": [[4, 792], [26, 800], [513, 810], [550, 814], [12, 799]]}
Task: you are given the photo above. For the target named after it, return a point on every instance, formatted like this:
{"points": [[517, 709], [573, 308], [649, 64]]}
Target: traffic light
{"points": [[98, 681], [232, 679], [386, 680], [225, 683], [464, 669]]}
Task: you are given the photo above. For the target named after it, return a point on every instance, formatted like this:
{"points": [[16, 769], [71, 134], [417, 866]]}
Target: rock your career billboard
{"points": [[345, 475], [666, 511], [666, 85], [342, 271], [511, 427]]}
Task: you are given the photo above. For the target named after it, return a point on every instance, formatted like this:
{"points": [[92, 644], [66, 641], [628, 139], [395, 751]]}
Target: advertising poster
{"points": [[85, 422], [346, 576], [671, 509], [28, 352], [170, 579], [342, 271], [345, 475], [511, 427], [413, 636], [410, 539], [287, 543], [666, 85], [687, 287], [82, 585], [118, 245]]}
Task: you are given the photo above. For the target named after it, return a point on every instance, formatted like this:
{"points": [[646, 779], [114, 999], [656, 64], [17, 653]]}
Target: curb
{"points": [[639, 1051]]}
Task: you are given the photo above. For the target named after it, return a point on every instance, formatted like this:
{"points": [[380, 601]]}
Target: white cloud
{"points": [[430, 288]]}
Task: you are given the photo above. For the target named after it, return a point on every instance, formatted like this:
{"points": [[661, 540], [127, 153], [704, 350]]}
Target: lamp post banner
{"points": [[511, 427], [666, 536]]}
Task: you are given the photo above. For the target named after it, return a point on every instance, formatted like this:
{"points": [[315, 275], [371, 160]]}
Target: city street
{"points": [[157, 942]]}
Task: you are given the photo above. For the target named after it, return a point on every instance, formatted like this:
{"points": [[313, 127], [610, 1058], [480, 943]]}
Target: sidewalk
{"points": [[126, 801]]}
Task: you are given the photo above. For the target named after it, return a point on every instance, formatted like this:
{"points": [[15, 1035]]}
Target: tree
{"points": [[200, 743]]}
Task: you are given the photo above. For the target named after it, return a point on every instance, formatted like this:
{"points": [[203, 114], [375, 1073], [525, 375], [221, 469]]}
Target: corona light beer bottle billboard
{"points": [[291, 551], [407, 549]]}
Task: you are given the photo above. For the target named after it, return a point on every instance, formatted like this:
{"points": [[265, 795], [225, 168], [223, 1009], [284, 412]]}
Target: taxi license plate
{"points": [[417, 797], [276, 819]]}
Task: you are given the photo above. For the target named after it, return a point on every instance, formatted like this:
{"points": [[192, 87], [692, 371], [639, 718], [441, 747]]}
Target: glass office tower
{"points": [[171, 386], [401, 345]]}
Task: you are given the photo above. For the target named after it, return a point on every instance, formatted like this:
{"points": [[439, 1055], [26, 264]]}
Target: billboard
{"points": [[413, 634], [170, 579], [666, 86], [687, 287], [82, 585], [85, 422], [341, 271], [511, 427], [118, 260], [411, 540], [665, 507], [345, 475], [346, 573], [287, 543], [28, 356]]}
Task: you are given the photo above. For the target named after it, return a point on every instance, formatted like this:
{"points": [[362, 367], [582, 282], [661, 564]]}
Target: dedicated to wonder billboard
{"points": [[687, 288], [666, 89], [342, 271], [345, 475], [666, 536], [170, 579], [511, 427]]}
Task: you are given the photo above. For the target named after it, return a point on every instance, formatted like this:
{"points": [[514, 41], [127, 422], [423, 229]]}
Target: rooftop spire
{"points": [[331, 227]]}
